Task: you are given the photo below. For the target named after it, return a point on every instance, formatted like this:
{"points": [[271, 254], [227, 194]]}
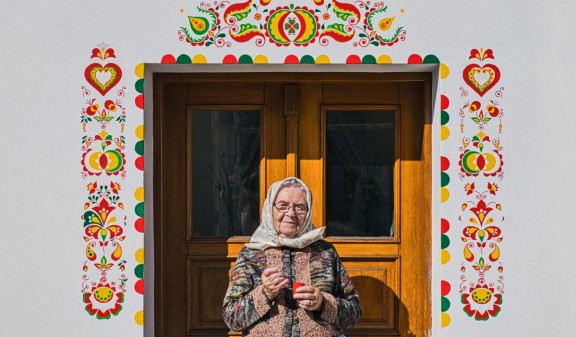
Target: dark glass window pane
{"points": [[360, 154], [225, 172]]}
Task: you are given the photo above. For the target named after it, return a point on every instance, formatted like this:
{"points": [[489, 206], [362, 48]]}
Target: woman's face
{"points": [[289, 223]]}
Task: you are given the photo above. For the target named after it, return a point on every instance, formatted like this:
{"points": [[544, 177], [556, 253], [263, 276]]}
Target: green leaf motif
{"points": [[372, 16], [92, 218], [394, 37], [342, 15], [241, 15], [246, 27], [337, 26]]}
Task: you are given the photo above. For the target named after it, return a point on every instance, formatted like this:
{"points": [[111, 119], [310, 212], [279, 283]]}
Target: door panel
{"points": [[390, 268], [207, 280], [377, 281]]}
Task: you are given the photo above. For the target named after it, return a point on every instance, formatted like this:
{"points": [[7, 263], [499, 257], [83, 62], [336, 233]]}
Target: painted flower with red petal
{"points": [[492, 188], [469, 188], [100, 225], [481, 211], [92, 109], [481, 302], [103, 301], [92, 187], [493, 110], [110, 105], [115, 187], [474, 106]]}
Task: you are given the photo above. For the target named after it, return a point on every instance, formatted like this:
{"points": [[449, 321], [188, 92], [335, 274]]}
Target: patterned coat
{"points": [[247, 309]]}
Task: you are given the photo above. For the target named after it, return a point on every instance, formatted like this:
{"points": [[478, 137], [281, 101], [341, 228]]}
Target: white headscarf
{"points": [[266, 236]]}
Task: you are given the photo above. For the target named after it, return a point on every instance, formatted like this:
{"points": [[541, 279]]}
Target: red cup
{"points": [[296, 285]]}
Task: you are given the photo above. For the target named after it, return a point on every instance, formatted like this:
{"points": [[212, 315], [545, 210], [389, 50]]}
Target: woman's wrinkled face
{"points": [[290, 223]]}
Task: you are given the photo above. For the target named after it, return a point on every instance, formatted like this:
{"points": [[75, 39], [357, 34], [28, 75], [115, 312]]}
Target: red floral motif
{"points": [[492, 188], [476, 233], [481, 54], [103, 301], [481, 211], [92, 187], [103, 52], [115, 187], [481, 302], [103, 114], [95, 221], [469, 188]]}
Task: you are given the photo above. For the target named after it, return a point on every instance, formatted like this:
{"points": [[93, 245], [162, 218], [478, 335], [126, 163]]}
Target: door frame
{"points": [[386, 70]]}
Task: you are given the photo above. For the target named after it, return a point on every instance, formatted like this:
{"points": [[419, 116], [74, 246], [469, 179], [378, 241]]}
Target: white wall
{"points": [[46, 46]]}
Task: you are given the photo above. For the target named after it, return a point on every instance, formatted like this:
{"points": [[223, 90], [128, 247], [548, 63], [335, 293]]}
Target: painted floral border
{"points": [[223, 24]]}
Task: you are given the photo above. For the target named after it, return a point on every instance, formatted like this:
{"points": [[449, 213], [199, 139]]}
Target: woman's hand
{"points": [[273, 281], [309, 298]]}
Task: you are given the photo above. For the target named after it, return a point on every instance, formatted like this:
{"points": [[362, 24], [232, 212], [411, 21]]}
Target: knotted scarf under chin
{"points": [[266, 236]]}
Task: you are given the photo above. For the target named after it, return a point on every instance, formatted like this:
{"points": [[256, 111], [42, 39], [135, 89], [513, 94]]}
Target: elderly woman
{"points": [[286, 248]]}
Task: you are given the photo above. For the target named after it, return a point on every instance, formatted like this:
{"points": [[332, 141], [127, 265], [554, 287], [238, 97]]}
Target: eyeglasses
{"points": [[283, 208]]}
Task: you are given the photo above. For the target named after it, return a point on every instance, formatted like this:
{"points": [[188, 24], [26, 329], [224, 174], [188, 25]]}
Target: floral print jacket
{"points": [[247, 309]]}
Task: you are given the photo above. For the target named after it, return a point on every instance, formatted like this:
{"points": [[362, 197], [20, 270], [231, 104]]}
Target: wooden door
{"points": [[299, 121]]}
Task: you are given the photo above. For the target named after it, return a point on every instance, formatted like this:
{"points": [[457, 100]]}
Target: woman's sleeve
{"points": [[244, 303], [342, 307]]}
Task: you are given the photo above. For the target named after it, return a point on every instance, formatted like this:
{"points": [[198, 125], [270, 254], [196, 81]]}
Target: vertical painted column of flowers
{"points": [[139, 192], [481, 171], [103, 162]]}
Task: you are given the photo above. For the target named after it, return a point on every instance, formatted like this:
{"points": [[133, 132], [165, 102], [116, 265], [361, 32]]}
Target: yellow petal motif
{"points": [[386, 23]]}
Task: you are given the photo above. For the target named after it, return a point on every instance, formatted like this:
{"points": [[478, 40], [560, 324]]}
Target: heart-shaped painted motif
{"points": [[103, 78], [481, 79]]}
